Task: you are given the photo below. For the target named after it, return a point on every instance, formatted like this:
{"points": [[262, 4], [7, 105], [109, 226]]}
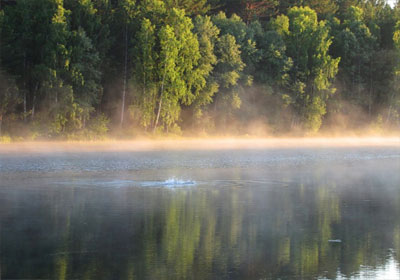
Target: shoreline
{"points": [[194, 144]]}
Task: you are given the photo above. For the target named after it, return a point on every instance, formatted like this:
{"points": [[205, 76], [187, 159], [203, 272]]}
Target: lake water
{"points": [[268, 213]]}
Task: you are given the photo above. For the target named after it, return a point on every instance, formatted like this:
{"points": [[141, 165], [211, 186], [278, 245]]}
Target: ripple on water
{"points": [[169, 183]]}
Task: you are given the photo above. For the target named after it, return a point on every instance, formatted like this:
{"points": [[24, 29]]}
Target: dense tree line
{"points": [[76, 68]]}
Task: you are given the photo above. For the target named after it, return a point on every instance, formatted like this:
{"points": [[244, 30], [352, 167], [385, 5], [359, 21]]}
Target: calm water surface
{"points": [[327, 213]]}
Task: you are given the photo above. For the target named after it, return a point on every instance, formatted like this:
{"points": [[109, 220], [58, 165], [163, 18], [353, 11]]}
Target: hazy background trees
{"points": [[79, 68]]}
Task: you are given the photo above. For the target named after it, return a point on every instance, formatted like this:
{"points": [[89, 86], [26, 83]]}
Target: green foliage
{"points": [[207, 34], [97, 127], [191, 7], [5, 139], [244, 35], [9, 98], [313, 70], [323, 8], [394, 97], [145, 63], [170, 76], [230, 64], [83, 71], [9, 95], [274, 64], [356, 44], [65, 63]]}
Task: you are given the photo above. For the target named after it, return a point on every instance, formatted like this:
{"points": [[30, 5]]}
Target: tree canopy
{"points": [[80, 68]]}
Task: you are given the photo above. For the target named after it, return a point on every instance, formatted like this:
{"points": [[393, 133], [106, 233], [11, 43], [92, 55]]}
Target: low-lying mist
{"points": [[196, 144]]}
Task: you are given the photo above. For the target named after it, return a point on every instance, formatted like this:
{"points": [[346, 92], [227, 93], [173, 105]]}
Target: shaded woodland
{"points": [[84, 69]]}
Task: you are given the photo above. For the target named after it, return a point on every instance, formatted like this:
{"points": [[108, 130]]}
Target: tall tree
{"points": [[128, 11], [172, 70], [9, 98], [145, 62], [34, 37], [394, 98], [355, 44], [313, 70], [207, 34], [228, 71]]}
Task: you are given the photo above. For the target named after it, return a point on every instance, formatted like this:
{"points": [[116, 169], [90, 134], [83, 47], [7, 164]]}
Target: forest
{"points": [[90, 69]]}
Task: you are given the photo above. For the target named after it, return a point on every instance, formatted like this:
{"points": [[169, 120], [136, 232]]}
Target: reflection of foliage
{"points": [[239, 233], [396, 238]]}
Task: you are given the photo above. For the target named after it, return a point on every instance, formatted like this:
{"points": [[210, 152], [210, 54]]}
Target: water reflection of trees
{"points": [[225, 232]]}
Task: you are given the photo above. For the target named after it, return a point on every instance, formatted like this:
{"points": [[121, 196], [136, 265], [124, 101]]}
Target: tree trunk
{"points": [[34, 100], [389, 113], [158, 112], [125, 76], [359, 77], [370, 90], [293, 123], [144, 72], [24, 105], [33, 107], [24, 86], [1, 123], [161, 97], [390, 107]]}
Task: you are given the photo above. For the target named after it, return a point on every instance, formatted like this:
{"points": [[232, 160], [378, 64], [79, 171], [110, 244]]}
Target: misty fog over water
{"points": [[262, 213]]}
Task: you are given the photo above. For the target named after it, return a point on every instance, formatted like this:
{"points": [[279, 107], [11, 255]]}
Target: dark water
{"points": [[234, 214]]}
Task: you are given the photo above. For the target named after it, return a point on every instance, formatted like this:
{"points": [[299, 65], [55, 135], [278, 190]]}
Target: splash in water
{"points": [[170, 183]]}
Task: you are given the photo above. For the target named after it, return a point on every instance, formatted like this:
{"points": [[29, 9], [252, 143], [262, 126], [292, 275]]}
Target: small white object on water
{"points": [[335, 241], [178, 182], [169, 183]]}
